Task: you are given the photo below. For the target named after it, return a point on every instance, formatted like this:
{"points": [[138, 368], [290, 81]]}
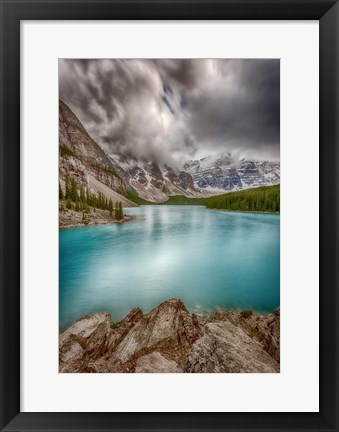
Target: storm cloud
{"points": [[171, 111]]}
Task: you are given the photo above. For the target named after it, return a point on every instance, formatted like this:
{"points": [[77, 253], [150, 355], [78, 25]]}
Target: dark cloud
{"points": [[174, 110]]}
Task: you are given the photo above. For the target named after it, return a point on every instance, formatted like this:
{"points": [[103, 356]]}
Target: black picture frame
{"points": [[11, 13]]}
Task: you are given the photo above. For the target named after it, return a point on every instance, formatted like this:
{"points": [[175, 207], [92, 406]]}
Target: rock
{"points": [[123, 328], [116, 334], [157, 184], [71, 218], [169, 339], [86, 162], [262, 328], [219, 172], [183, 180], [168, 329], [156, 363], [227, 348], [86, 339]]}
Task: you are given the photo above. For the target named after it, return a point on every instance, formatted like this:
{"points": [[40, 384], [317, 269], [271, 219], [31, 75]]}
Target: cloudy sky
{"points": [[172, 111]]}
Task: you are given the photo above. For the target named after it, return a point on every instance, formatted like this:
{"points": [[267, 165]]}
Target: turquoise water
{"points": [[207, 258]]}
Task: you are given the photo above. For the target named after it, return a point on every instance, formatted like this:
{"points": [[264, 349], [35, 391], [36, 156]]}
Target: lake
{"points": [[207, 258]]}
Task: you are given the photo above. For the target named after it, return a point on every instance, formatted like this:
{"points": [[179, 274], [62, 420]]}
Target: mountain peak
{"points": [[149, 180], [222, 172]]}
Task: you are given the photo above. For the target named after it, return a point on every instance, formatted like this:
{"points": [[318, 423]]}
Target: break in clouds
{"points": [[171, 111]]}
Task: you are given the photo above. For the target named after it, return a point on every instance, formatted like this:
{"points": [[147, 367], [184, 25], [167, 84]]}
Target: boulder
{"points": [[121, 330], [168, 329], [170, 339], [156, 363], [262, 328], [227, 348], [86, 339]]}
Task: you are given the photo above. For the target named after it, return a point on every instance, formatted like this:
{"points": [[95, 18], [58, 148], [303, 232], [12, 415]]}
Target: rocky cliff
{"points": [[154, 182], [116, 176], [221, 173], [171, 339], [83, 159]]}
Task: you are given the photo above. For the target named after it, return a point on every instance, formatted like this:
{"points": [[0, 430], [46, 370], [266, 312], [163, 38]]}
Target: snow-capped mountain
{"points": [[120, 176], [117, 176], [217, 174], [154, 182]]}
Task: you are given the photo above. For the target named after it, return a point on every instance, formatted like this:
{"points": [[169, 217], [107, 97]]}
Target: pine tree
{"points": [[265, 198], [116, 211], [110, 207], [73, 190], [61, 194], [82, 194], [69, 203], [67, 192]]}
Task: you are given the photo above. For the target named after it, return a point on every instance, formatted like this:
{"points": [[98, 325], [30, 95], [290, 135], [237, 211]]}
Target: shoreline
{"points": [[204, 315], [98, 222], [128, 218]]}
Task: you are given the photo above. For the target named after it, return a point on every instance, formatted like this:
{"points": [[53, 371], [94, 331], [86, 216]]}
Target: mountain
{"points": [[121, 178], [116, 176], [154, 182], [217, 174], [81, 158]]}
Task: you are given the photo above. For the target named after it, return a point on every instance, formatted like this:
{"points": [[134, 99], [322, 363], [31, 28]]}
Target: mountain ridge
{"points": [[84, 160], [120, 177], [221, 173]]}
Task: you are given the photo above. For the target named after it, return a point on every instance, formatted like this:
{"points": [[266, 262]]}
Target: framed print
{"points": [[169, 215], [137, 174]]}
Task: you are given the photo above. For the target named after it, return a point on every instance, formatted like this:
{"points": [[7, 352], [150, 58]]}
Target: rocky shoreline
{"points": [[170, 339], [71, 218]]}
